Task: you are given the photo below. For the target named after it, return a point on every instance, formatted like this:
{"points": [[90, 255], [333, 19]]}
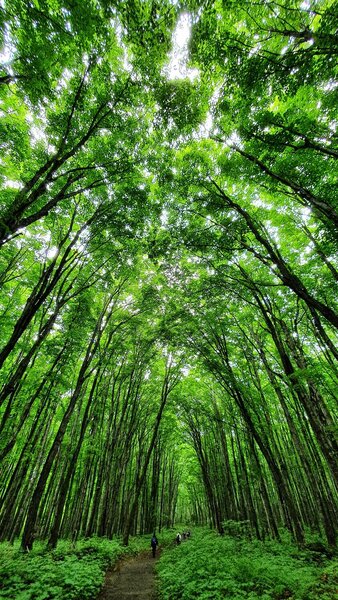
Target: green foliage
{"points": [[148, 25], [183, 104], [214, 567], [70, 572], [326, 584], [146, 219], [236, 528], [40, 30]]}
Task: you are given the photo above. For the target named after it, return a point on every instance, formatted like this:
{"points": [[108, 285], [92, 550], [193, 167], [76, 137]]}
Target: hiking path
{"points": [[131, 579]]}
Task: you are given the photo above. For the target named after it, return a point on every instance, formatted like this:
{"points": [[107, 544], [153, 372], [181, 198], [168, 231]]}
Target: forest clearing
{"points": [[168, 299]]}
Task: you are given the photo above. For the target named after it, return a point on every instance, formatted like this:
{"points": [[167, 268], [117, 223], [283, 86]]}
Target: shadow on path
{"points": [[132, 579]]}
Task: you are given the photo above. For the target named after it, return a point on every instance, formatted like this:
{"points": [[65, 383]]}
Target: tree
{"points": [[168, 270]]}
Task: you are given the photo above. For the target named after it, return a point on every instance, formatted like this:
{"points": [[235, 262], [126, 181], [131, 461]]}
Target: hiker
{"points": [[154, 544], [178, 539]]}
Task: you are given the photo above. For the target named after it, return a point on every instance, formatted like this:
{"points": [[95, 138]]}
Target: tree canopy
{"points": [[168, 267]]}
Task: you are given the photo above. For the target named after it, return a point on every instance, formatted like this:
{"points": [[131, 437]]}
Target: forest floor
{"points": [[132, 579]]}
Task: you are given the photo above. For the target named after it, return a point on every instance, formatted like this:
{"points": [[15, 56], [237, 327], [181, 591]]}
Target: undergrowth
{"points": [[211, 567], [70, 572], [206, 567]]}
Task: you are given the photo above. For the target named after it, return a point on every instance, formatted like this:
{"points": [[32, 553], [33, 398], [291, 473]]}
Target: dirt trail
{"points": [[132, 579]]}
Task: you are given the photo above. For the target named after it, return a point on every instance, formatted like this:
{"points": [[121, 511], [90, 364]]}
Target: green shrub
{"points": [[41, 578], [210, 567], [326, 585], [70, 572], [236, 528]]}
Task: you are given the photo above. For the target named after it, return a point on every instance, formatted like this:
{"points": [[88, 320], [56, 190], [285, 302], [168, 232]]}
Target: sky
{"points": [[177, 67]]}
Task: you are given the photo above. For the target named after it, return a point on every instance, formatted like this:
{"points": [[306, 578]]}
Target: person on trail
{"points": [[178, 539], [154, 544]]}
